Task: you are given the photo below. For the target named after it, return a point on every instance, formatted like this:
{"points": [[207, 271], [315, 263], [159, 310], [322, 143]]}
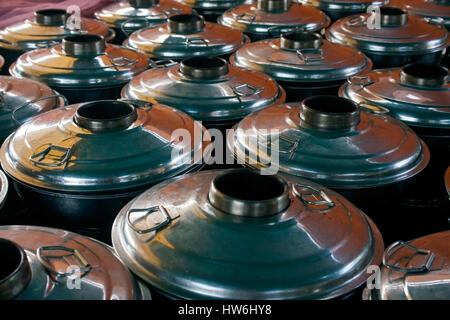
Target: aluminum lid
{"points": [[331, 141], [416, 270], [100, 146], [436, 10], [131, 15], [208, 89], [80, 61], [418, 94], [213, 4], [302, 57], [344, 5], [273, 17], [43, 263], [46, 29], [397, 34], [235, 234], [22, 99], [185, 36]]}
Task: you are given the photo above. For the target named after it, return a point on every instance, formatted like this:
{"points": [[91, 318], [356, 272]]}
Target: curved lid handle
{"points": [[82, 266], [185, 23], [51, 17], [273, 5], [425, 267], [317, 206], [147, 212]]}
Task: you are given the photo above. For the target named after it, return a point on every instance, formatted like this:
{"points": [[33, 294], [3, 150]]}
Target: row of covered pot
{"points": [[286, 237]]}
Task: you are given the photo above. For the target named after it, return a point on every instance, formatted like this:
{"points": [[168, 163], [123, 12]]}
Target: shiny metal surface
{"points": [[249, 19], [331, 149], [22, 99], [4, 186], [302, 57], [45, 273], [416, 270], [318, 247], [80, 61], [208, 89], [213, 4], [418, 94], [40, 32], [54, 153], [344, 7], [162, 43], [130, 16], [436, 10], [398, 39], [2, 62]]}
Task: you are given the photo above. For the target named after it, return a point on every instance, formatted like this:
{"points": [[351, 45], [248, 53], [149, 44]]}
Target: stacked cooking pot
{"points": [[46, 29], [128, 16]]}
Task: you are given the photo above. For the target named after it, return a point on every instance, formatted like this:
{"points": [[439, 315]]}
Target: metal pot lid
{"points": [[331, 141], [97, 146], [208, 89], [437, 10], [213, 4], [48, 28], [397, 34], [80, 61], [236, 234], [417, 94], [22, 99], [273, 17], [185, 36], [45, 263], [4, 186], [416, 270], [138, 14], [344, 5], [302, 57]]}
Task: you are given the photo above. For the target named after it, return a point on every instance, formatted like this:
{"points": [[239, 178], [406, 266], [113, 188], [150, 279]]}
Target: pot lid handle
{"points": [[317, 206], [310, 55], [82, 268], [429, 258], [61, 159], [373, 108], [129, 26], [166, 218], [27, 103]]}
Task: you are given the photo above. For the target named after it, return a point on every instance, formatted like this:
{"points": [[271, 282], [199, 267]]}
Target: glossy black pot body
{"points": [[390, 61]]}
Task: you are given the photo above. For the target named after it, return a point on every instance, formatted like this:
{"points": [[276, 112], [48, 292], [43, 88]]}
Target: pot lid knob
{"points": [[15, 271], [273, 5], [185, 23], [246, 193], [390, 16], [51, 17], [329, 112], [424, 75], [105, 116], [300, 40], [86, 44], [143, 3], [202, 68]]}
